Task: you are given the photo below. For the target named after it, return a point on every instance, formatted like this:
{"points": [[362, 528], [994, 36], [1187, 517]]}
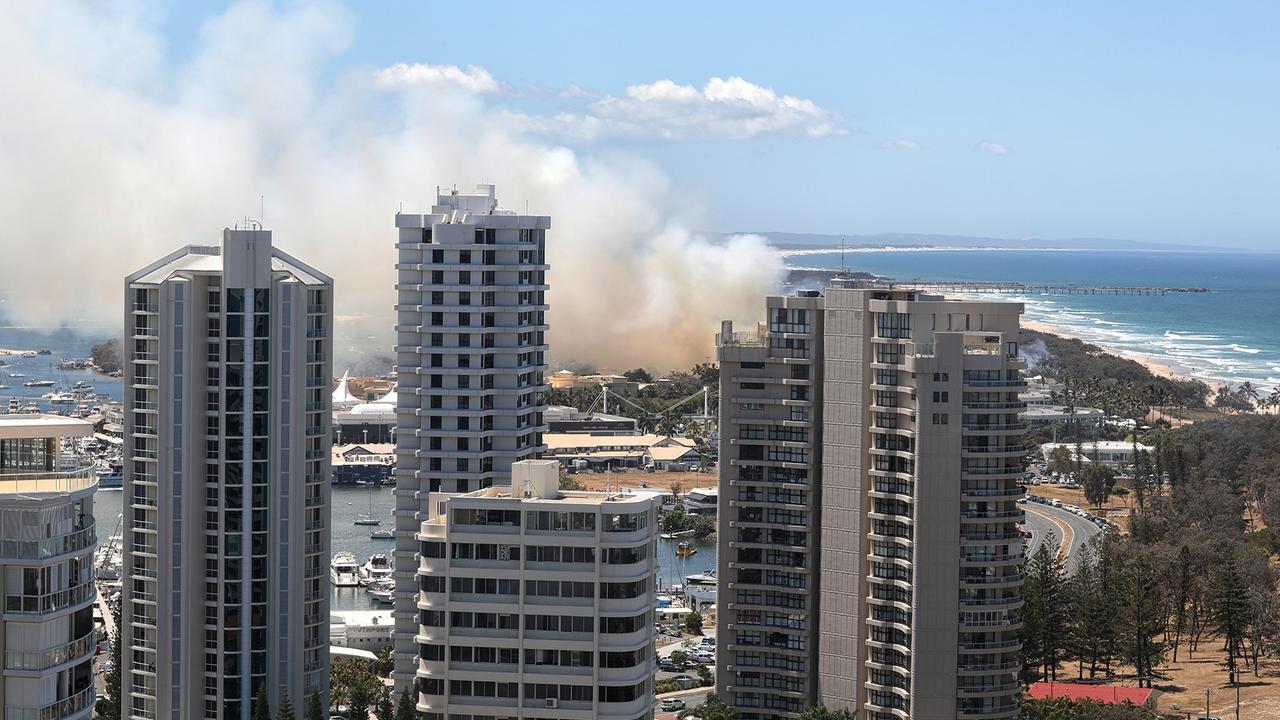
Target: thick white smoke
{"points": [[114, 153]]}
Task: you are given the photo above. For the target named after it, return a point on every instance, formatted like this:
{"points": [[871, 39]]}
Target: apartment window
{"points": [[940, 418], [940, 377]]}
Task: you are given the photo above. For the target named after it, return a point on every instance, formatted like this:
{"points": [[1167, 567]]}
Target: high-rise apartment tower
{"points": [[226, 493], [47, 539], [470, 361], [871, 561]]}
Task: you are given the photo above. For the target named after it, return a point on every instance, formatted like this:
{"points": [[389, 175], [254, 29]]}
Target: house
{"points": [[674, 457]]}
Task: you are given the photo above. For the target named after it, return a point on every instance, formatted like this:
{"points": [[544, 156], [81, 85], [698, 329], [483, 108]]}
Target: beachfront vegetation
{"points": [[1095, 371]]}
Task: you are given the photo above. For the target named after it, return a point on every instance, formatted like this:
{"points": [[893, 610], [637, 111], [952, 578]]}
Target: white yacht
{"points": [[375, 568], [382, 591], [344, 571], [703, 578]]}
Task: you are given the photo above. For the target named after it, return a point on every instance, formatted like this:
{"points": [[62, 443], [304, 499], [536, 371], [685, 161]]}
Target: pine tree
{"points": [[1046, 608], [1092, 633], [1230, 611], [285, 711], [261, 703], [406, 708], [385, 709], [361, 698], [1140, 617], [1183, 596], [314, 711]]}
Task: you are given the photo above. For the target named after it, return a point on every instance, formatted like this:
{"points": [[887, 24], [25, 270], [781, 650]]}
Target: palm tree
{"points": [[1274, 398], [1250, 391]]}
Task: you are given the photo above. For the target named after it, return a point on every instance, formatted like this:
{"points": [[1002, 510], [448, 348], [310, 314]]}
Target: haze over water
{"points": [[1231, 333]]}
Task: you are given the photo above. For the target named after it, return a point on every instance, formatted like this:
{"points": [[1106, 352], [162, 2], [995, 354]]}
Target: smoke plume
{"points": [[118, 149]]}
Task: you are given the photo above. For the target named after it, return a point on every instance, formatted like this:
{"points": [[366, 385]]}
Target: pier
{"points": [[1018, 288], [816, 278]]}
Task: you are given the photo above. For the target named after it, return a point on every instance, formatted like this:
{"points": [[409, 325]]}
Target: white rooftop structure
{"points": [[342, 394]]}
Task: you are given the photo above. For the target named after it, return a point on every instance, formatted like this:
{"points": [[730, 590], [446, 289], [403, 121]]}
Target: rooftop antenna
{"points": [[843, 270], [262, 209]]}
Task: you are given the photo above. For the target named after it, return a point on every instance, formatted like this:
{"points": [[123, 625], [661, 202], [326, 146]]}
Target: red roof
{"points": [[1109, 694]]}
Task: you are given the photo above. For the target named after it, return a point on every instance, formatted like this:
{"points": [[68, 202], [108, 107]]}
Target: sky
{"points": [[664, 139], [1145, 121]]}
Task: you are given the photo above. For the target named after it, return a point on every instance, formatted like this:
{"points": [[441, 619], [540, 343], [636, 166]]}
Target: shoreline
{"points": [[1157, 368]]}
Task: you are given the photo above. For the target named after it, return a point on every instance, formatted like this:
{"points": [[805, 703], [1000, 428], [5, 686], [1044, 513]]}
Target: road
{"points": [[1043, 519]]}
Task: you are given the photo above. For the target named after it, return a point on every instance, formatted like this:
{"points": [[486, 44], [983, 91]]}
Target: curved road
{"points": [[1043, 519]]}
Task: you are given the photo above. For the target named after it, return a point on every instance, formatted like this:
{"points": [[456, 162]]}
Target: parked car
{"points": [[671, 705], [708, 642], [669, 665]]}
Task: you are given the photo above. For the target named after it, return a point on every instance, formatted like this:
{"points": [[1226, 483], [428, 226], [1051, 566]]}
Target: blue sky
{"points": [[1145, 121]]}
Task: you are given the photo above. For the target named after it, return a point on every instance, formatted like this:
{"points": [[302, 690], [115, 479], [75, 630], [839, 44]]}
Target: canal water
{"points": [[350, 502]]}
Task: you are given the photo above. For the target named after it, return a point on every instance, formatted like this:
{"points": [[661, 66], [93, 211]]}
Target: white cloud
{"points": [[403, 76], [902, 144], [732, 108], [994, 148]]}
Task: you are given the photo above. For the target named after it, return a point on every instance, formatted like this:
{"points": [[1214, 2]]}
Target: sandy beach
{"points": [[1156, 368]]}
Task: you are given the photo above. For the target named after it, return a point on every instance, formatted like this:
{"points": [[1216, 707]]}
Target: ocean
{"points": [[1231, 333]]}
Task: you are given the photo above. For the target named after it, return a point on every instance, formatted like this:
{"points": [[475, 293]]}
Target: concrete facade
{"points": [[47, 542], [226, 489], [537, 603], [470, 358], [914, 534]]}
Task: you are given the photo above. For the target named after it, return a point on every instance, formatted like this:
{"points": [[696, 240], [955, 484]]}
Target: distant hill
{"points": [[798, 241]]}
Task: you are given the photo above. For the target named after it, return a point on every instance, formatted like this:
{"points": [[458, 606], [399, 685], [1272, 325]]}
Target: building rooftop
{"points": [[1108, 694], [35, 425]]}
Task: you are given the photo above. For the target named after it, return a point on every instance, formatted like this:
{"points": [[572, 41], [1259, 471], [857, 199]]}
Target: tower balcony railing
{"points": [[68, 707], [49, 602], [27, 482], [51, 657], [50, 547]]}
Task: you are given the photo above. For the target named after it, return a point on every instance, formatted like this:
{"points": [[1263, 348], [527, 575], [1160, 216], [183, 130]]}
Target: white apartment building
{"points": [[470, 357], [872, 561], [226, 492], [534, 602], [47, 542]]}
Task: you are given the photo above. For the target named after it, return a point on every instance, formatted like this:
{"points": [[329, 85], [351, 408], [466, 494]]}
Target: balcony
{"points": [[69, 707], [39, 660], [47, 481], [52, 547], [49, 602]]}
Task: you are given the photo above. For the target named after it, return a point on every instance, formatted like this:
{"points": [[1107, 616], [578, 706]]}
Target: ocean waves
{"points": [[1205, 356]]}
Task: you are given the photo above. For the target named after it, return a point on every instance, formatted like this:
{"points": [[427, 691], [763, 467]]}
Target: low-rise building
{"points": [[1112, 453], [566, 419], [366, 463], [536, 602], [1041, 415], [47, 541], [607, 450]]}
